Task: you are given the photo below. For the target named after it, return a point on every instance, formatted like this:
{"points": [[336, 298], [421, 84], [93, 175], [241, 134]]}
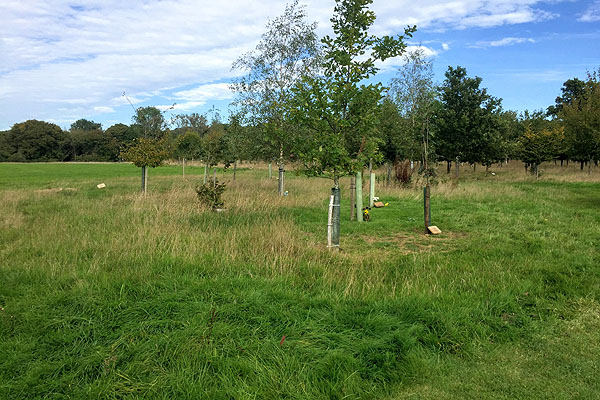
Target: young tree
{"points": [[466, 121], [213, 146], [396, 145], [150, 150], [581, 119], [539, 146], [286, 52], [188, 145], [238, 143], [338, 108], [413, 92]]}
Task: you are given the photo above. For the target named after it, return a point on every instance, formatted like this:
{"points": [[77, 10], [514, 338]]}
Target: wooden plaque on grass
{"points": [[434, 230]]}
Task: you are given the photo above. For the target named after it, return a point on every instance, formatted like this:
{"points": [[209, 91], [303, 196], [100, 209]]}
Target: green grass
{"points": [[109, 294], [50, 175]]}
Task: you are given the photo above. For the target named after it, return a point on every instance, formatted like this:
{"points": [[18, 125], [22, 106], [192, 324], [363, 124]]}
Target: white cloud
{"points": [[507, 41], [592, 14], [101, 109], [62, 61], [202, 93]]}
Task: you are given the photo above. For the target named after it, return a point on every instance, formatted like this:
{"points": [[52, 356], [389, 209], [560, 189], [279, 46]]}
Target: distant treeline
{"points": [[463, 123], [40, 141]]}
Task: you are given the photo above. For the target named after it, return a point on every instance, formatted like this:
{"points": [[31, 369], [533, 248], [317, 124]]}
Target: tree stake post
{"points": [[335, 232], [330, 223], [144, 178], [427, 208], [352, 198], [359, 198], [280, 186]]}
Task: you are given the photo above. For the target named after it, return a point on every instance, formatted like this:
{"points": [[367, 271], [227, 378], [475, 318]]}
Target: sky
{"points": [[65, 60]]}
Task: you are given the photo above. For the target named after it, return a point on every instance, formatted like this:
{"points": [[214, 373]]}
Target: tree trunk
{"points": [[537, 171], [270, 171], [590, 167], [234, 169], [183, 166], [205, 174], [581, 165], [215, 176], [448, 166]]}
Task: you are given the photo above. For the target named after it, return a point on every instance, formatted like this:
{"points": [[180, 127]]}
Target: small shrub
{"points": [[210, 194]]}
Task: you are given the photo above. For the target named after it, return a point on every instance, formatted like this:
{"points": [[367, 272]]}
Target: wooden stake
{"points": [[144, 177], [352, 198]]}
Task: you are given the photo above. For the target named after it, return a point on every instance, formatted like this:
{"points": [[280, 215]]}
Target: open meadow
{"points": [[106, 293]]}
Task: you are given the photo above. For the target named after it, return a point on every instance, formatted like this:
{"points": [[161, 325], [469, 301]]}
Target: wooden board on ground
{"points": [[434, 230], [378, 204]]}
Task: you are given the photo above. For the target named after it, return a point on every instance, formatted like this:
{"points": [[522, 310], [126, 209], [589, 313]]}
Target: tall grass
{"points": [[108, 293]]}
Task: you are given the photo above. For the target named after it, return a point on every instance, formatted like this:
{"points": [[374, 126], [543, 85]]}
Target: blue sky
{"points": [[64, 60]]}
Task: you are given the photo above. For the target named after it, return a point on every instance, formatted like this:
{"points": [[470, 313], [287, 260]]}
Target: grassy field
{"points": [[110, 294]]}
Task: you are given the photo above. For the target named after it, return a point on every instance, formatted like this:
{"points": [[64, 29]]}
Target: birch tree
{"points": [[287, 51]]}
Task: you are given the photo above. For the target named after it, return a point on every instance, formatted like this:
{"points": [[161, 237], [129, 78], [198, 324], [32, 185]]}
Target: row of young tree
{"points": [[310, 102]]}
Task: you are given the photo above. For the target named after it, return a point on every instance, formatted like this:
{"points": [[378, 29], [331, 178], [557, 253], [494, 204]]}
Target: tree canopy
{"points": [[467, 121], [339, 110]]}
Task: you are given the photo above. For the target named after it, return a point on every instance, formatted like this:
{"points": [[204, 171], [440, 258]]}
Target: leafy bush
{"points": [[210, 194]]}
